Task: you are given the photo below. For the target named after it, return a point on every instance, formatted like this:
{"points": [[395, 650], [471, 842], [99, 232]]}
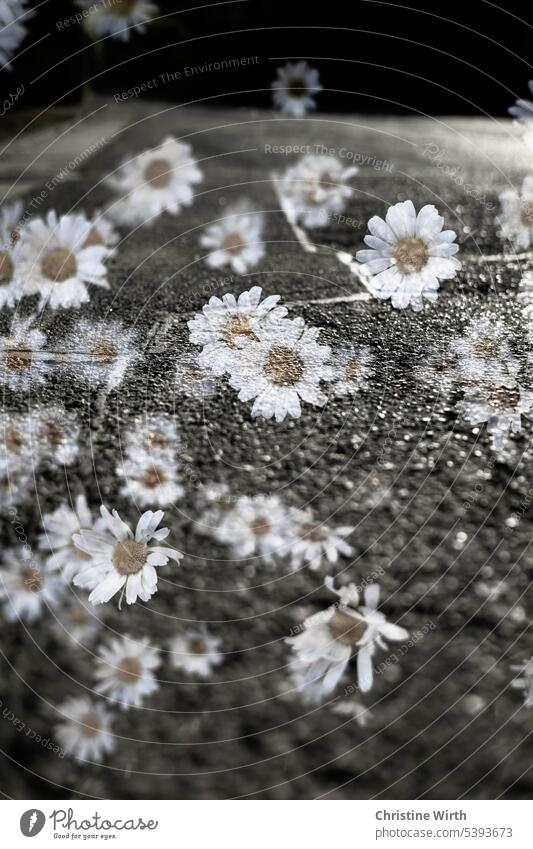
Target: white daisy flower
{"points": [[99, 353], [236, 240], [117, 18], [59, 528], [196, 652], [499, 407], [125, 671], [354, 709], [191, 379], [22, 359], [315, 542], [294, 88], [122, 561], [25, 588], [16, 441], [56, 263], [352, 366], [150, 479], [522, 111], [484, 353], [56, 432], [282, 366], [516, 218], [255, 527], [525, 681], [13, 30], [409, 254], [11, 223], [153, 434], [329, 638], [16, 483], [153, 182], [76, 621], [85, 732], [315, 188], [223, 322], [102, 232], [437, 371]]}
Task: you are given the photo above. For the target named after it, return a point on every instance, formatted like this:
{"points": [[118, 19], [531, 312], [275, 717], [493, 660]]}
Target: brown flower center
{"points": [[89, 724], [155, 439], [486, 348], [53, 433], [158, 173], [93, 238], [352, 371], [197, 646], [128, 670], [297, 87], [237, 326], [233, 243], [410, 254], [13, 440], [129, 556], [105, 352], [526, 215], [122, 7], [15, 236], [345, 629], [283, 366], [313, 533], [503, 397], [260, 527], [31, 580], [18, 360], [6, 268], [59, 265], [153, 477]]}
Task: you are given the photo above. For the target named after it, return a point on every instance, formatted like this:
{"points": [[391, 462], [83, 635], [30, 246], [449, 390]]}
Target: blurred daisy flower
{"points": [[499, 407], [23, 361], [55, 433], [196, 652], [25, 588], [516, 218], [85, 731], [102, 232], [223, 322], [56, 263], [155, 181], [191, 379], [76, 622], [117, 18], [100, 352], [330, 637], [120, 560], [236, 240], [13, 31], [409, 254], [315, 189], [154, 434], [484, 353], [16, 444], [525, 680], [11, 223], [352, 709], [150, 479], [293, 90], [59, 527], [125, 671], [255, 527], [280, 366], [316, 542], [352, 366]]}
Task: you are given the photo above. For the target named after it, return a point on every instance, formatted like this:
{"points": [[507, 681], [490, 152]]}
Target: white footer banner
{"points": [[267, 824]]}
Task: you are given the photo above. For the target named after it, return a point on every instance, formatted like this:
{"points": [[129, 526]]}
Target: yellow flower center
{"points": [[128, 670], [6, 268], [129, 557], [158, 173], [283, 366], [410, 255], [59, 265], [233, 243], [345, 629]]}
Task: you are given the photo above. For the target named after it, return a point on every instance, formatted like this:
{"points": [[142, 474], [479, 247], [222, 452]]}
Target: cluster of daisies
{"points": [[273, 360], [150, 467], [47, 434], [493, 379], [263, 527]]}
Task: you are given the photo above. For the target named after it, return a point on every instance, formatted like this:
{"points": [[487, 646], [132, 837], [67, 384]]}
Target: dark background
{"points": [[434, 58]]}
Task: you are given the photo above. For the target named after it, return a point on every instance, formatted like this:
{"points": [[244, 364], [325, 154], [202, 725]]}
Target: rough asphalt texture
{"points": [[430, 506]]}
